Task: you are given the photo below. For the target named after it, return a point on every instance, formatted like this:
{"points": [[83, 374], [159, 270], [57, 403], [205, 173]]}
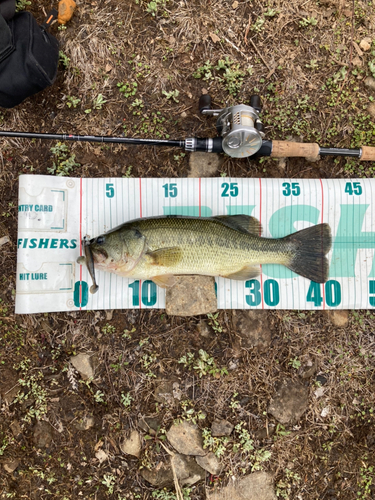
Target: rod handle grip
{"points": [[285, 149], [368, 153]]}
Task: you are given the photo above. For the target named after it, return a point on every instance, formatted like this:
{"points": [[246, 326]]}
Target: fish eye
{"points": [[100, 240]]}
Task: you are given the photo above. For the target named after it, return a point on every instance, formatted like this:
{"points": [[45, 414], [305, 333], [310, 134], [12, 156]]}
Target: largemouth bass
{"points": [[160, 248]]}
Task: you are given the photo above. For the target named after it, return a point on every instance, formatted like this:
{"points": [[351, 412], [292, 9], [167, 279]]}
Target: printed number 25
{"points": [[291, 188], [232, 188]]}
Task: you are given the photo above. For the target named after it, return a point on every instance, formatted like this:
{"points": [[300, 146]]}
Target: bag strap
{"points": [[52, 15], [6, 41]]}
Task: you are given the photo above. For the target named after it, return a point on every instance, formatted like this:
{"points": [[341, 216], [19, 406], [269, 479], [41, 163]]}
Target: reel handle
{"points": [[285, 149], [368, 153]]}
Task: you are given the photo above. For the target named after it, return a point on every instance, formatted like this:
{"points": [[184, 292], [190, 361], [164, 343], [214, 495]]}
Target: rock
{"points": [[11, 465], [210, 463], [9, 387], [221, 428], [42, 434], [160, 476], [290, 402], [204, 165], [308, 367], [338, 318], [101, 455], [82, 363], [85, 423], [191, 296], [186, 438], [370, 82], [132, 445], [252, 329], [371, 109], [256, 486], [16, 428], [187, 470], [164, 392], [204, 329], [357, 61], [4, 240], [365, 44], [150, 424]]}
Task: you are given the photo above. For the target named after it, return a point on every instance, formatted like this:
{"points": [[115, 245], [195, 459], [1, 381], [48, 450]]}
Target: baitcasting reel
{"points": [[239, 126]]}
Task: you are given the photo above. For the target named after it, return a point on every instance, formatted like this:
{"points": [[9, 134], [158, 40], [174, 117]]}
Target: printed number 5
{"points": [[291, 188], [109, 191]]}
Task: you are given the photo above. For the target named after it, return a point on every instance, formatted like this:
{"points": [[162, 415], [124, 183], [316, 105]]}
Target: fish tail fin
{"points": [[309, 254]]}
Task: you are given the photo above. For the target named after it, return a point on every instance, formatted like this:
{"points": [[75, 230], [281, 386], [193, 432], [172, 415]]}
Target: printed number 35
{"points": [[291, 189]]}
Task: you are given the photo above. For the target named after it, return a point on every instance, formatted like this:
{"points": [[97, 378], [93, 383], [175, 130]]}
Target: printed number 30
{"points": [[291, 188]]}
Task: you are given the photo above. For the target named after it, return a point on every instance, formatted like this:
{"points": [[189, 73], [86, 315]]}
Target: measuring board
{"points": [[55, 213]]}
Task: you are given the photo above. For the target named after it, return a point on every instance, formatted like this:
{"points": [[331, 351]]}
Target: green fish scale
{"points": [[208, 246]]}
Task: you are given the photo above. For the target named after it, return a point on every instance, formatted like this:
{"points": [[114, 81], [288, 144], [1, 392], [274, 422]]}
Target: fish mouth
{"points": [[90, 264]]}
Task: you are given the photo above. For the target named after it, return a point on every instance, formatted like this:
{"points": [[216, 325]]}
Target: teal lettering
{"points": [[281, 224], [38, 276], [73, 244], [188, 211], [54, 243], [43, 243], [64, 243], [348, 240], [24, 276], [36, 208], [19, 242], [33, 243], [25, 243]]}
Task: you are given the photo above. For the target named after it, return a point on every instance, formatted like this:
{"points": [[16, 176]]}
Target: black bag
{"points": [[29, 57]]}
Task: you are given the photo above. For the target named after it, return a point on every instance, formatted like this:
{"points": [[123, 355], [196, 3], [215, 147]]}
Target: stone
{"points": [[4, 240], [210, 463], [85, 423], [132, 445], [11, 465], [252, 329], [371, 109], [150, 424], [9, 387], [308, 367], [204, 164], [187, 470], [365, 44], [191, 296], [164, 392], [204, 329], [290, 401], [338, 318], [82, 363], [16, 428], [357, 61], [370, 82], [160, 476], [101, 455], [221, 428], [186, 438], [42, 434], [256, 486]]}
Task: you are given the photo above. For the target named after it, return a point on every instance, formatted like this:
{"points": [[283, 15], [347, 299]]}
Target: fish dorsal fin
{"points": [[166, 256], [241, 222], [246, 273], [164, 281]]}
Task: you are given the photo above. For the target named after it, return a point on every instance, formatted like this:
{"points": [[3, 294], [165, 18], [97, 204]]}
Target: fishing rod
{"points": [[241, 135]]}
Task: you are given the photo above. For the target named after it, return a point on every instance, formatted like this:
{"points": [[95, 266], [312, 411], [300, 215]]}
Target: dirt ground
{"points": [[137, 68]]}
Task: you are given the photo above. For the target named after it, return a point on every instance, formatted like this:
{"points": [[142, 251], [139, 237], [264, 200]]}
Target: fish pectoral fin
{"points": [[246, 273], [164, 281], [165, 256], [241, 222]]}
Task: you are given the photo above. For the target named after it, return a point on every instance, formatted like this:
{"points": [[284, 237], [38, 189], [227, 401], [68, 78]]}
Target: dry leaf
{"points": [[214, 37]]}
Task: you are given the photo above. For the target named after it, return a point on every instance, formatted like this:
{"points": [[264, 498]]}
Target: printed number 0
{"points": [[109, 190]]}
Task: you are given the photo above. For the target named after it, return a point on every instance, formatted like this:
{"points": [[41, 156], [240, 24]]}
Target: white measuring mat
{"points": [[55, 213]]}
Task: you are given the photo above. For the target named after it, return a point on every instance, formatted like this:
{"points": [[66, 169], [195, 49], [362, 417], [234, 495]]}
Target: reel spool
{"points": [[239, 126]]}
